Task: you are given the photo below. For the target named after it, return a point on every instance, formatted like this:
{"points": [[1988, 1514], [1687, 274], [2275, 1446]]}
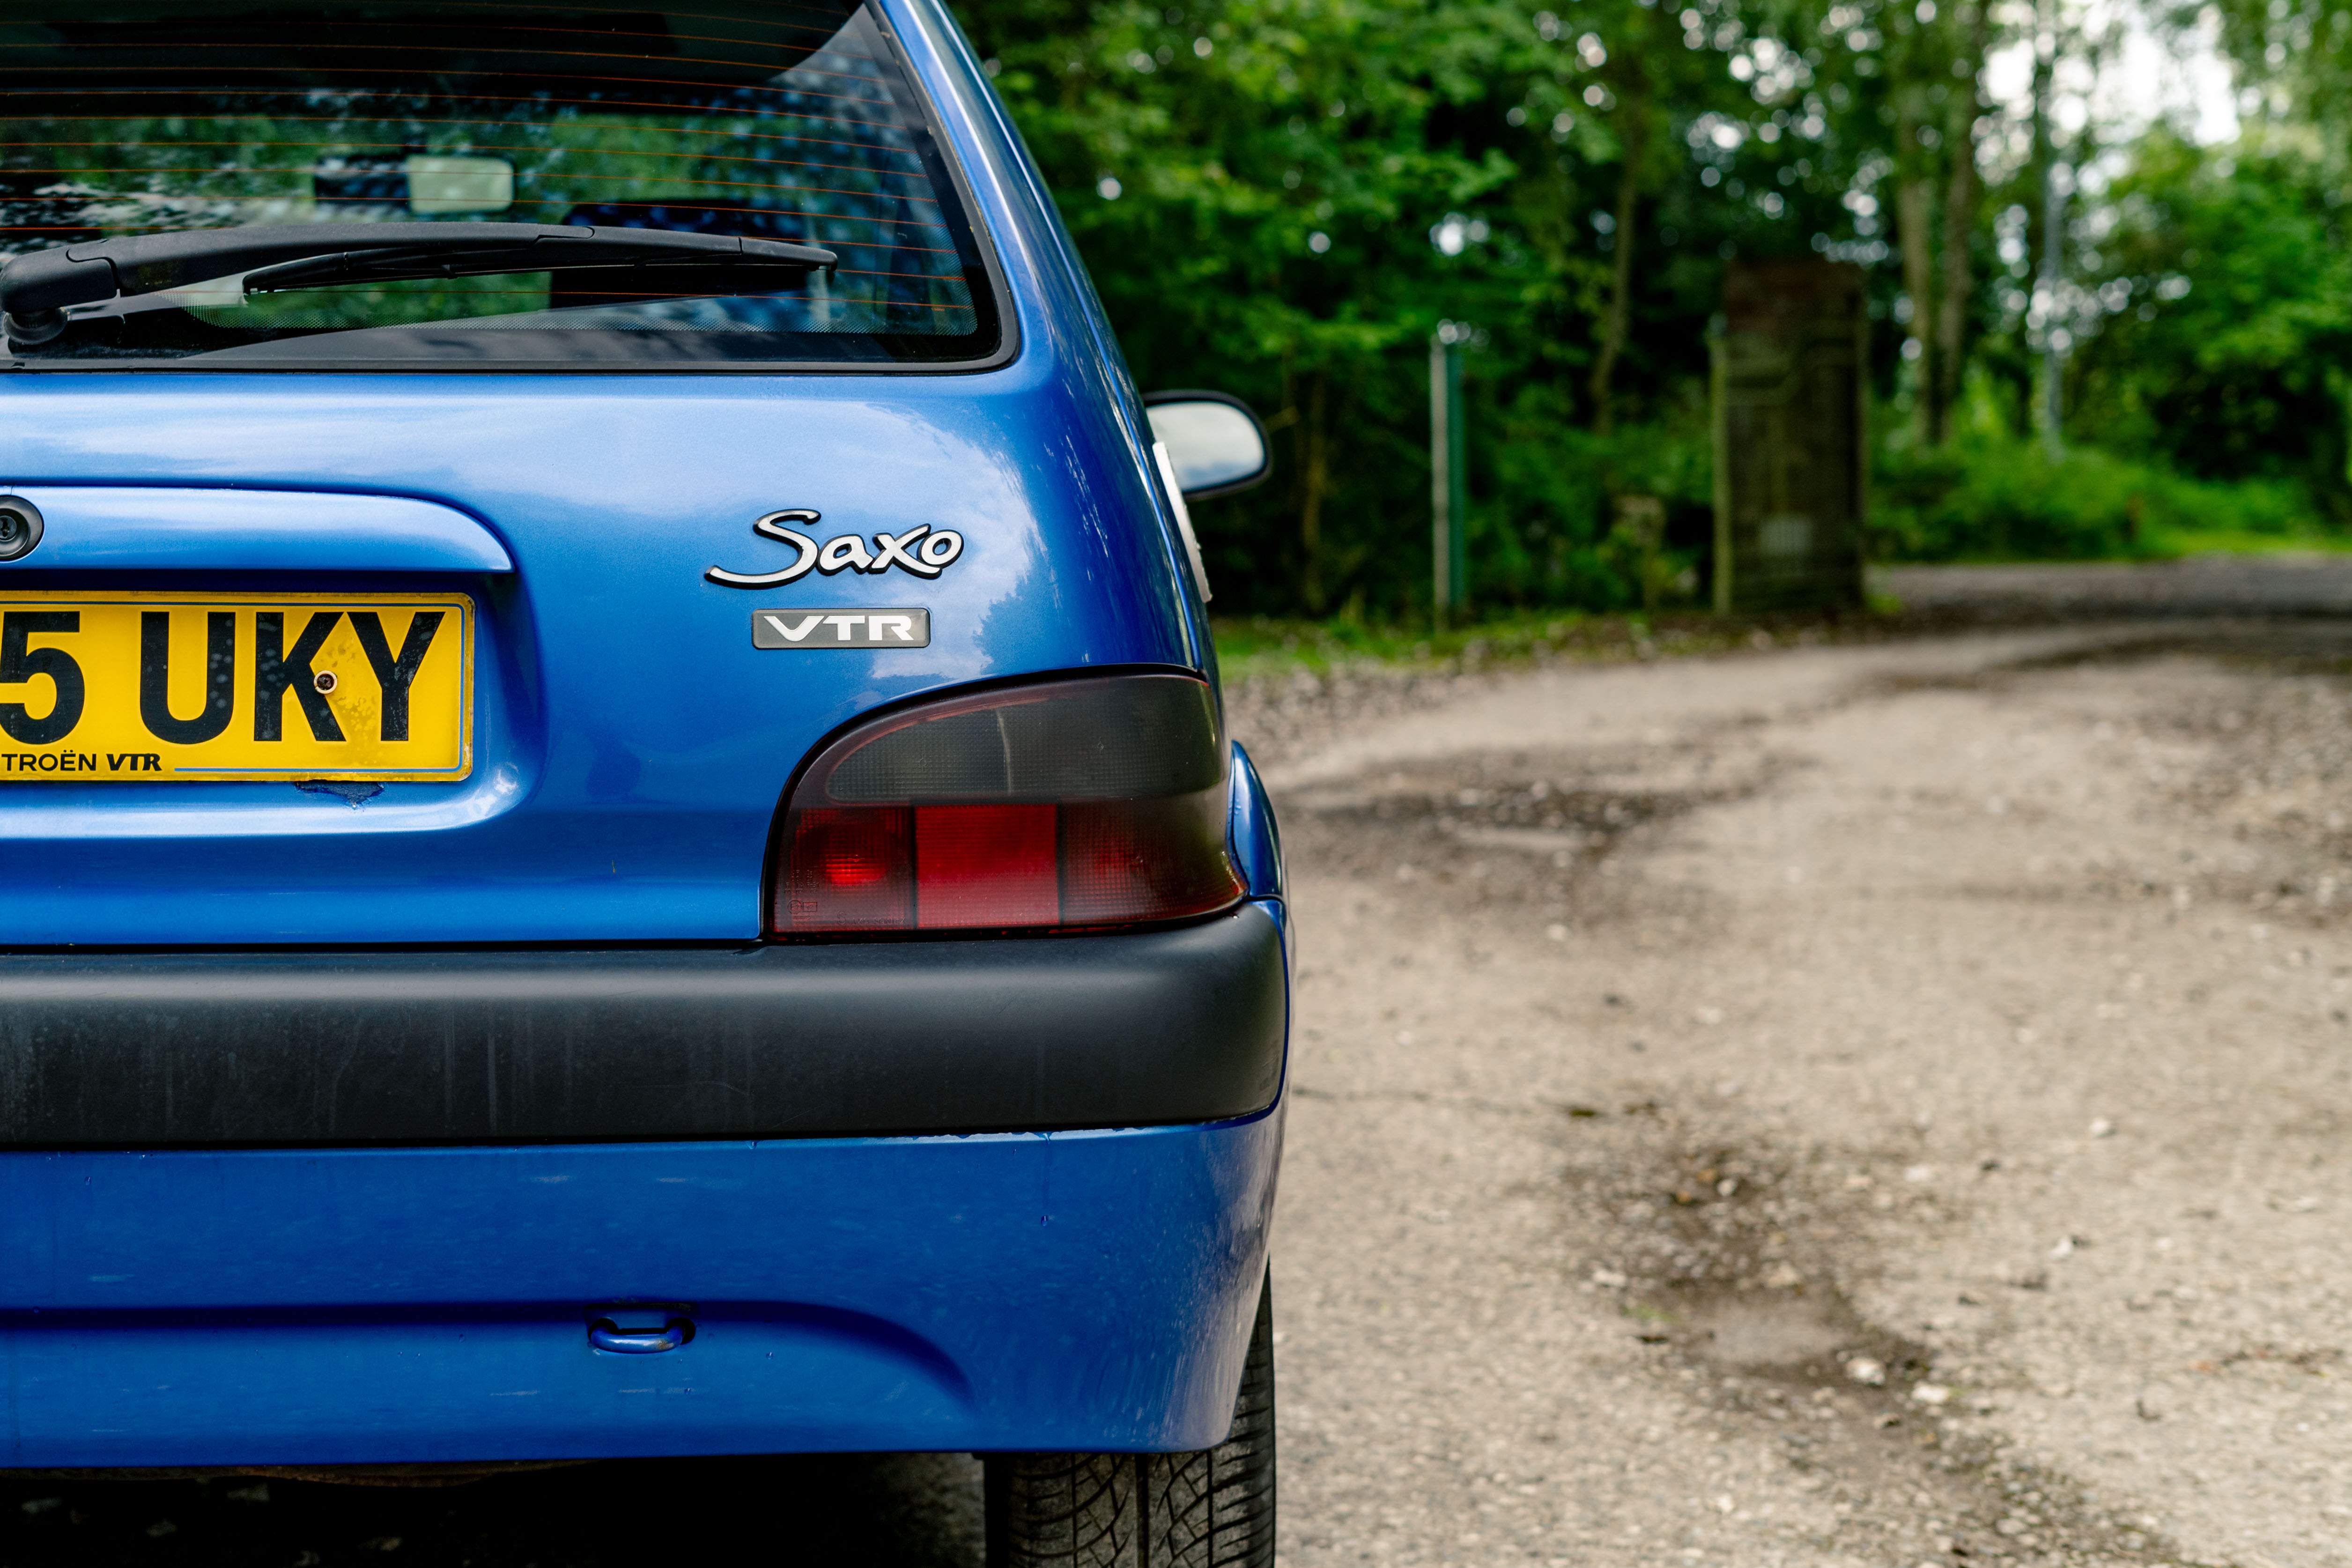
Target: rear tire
{"points": [[1213, 1509]]}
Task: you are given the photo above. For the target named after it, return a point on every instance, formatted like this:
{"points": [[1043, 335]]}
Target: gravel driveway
{"points": [[2201, 586], [1865, 1105], [1861, 1105]]}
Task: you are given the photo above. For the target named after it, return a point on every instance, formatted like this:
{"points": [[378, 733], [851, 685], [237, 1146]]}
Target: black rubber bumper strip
{"points": [[186, 1051]]}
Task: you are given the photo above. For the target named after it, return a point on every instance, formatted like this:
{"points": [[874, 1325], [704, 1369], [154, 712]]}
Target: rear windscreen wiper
{"points": [[218, 266]]}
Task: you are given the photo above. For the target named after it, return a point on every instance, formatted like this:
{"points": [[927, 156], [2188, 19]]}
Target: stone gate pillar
{"points": [[1791, 396]]}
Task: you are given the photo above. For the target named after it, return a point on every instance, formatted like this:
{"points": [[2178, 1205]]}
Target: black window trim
{"points": [[938, 160]]}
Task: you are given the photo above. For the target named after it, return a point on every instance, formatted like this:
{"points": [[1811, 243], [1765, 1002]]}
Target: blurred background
{"points": [[2099, 251]]}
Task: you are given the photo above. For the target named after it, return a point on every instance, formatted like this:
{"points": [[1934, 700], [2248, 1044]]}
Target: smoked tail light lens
{"points": [[1085, 803]]}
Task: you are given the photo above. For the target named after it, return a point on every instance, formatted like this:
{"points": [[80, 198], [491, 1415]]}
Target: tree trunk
{"points": [[1915, 198], [2036, 237], [1616, 323], [1314, 472], [1963, 190], [2037, 213], [1961, 196]]}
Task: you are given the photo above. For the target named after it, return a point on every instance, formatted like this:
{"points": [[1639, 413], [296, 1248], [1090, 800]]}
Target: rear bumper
{"points": [[357, 1048], [1082, 1291], [1041, 1291]]}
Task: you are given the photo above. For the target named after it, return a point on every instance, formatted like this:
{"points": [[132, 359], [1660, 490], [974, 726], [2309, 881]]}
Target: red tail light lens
{"points": [[1094, 802], [859, 864]]}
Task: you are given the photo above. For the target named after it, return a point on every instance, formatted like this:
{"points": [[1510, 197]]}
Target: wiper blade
{"points": [[548, 249], [37, 287]]}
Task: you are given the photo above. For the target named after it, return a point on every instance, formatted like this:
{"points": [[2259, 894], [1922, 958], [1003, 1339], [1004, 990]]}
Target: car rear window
{"points": [[779, 122]]}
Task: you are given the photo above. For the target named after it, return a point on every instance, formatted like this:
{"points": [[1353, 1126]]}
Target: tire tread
{"points": [[1211, 1509]]}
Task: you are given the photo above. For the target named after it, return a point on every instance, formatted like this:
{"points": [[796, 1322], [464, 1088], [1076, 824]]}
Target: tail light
{"points": [[1092, 802]]}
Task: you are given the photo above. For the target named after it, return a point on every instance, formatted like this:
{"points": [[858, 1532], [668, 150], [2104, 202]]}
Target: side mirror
{"points": [[1214, 442]]}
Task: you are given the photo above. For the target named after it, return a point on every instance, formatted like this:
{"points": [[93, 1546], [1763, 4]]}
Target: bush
{"points": [[1551, 536], [1988, 496]]}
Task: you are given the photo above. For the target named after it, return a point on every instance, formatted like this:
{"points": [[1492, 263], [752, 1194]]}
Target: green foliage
{"points": [[2300, 51], [1282, 198], [1565, 546], [2232, 296], [1990, 495]]}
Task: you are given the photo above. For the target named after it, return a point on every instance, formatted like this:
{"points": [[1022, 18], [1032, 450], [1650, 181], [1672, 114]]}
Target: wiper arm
{"points": [[38, 287]]}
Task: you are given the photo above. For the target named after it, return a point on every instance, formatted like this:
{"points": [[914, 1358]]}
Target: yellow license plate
{"points": [[152, 687]]}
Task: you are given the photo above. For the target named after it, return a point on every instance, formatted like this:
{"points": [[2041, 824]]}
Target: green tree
{"points": [[2218, 306], [1253, 187], [1284, 198]]}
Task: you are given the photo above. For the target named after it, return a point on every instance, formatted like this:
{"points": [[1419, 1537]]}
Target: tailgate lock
{"points": [[20, 527]]}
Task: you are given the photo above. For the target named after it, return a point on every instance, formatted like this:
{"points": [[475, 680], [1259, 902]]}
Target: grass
{"points": [[2171, 544], [1259, 647]]}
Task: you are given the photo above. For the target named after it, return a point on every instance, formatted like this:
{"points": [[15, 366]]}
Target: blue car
{"points": [[616, 831]]}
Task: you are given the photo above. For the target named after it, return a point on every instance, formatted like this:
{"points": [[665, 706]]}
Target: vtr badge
{"points": [[840, 628], [924, 550]]}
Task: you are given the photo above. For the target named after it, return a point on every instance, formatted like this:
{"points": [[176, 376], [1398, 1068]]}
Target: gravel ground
{"points": [[1863, 1105], [1849, 1105], [2285, 585]]}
